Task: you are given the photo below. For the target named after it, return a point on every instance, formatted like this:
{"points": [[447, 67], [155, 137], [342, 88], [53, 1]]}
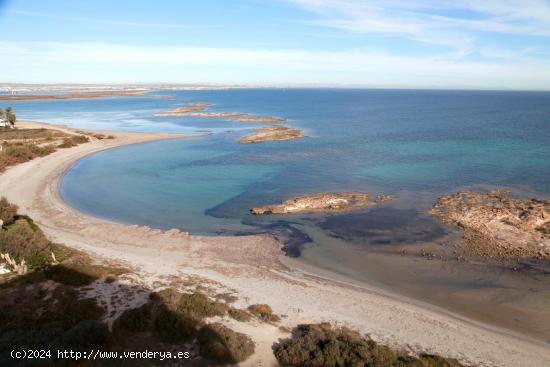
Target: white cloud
{"points": [[433, 21], [98, 62]]}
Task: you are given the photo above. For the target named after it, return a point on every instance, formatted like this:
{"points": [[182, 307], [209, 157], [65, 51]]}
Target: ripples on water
{"points": [[416, 144]]}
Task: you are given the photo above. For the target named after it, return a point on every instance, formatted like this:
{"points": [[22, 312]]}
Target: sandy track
{"points": [[250, 267]]}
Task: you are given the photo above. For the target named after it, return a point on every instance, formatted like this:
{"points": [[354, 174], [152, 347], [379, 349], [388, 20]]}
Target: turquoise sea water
{"points": [[369, 140], [416, 144]]}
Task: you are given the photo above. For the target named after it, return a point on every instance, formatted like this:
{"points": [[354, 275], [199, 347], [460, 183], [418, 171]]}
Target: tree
{"points": [[10, 116]]}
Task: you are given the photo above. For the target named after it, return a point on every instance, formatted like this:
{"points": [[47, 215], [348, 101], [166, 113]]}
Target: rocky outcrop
{"points": [[199, 104], [181, 111], [495, 224], [275, 132], [268, 119], [218, 114], [323, 202]]}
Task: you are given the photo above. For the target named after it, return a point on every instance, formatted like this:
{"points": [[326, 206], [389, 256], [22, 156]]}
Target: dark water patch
{"points": [[292, 238], [384, 226]]}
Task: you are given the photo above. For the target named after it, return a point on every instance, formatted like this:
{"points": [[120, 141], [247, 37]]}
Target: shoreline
{"points": [[250, 266]]}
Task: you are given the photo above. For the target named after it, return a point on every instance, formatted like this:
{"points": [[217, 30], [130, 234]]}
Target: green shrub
{"points": [[25, 241], [79, 272], [263, 312], [221, 344], [70, 309], [134, 320], [194, 305], [239, 315], [172, 327], [73, 140], [68, 275], [8, 211], [319, 345], [86, 334]]}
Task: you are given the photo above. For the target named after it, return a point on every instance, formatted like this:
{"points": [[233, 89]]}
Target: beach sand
{"points": [[251, 268]]}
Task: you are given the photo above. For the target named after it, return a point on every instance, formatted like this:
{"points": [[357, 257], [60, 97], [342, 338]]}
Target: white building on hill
{"points": [[5, 123]]}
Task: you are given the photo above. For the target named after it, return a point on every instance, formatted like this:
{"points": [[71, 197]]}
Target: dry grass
{"points": [[22, 145], [263, 312], [239, 315]]}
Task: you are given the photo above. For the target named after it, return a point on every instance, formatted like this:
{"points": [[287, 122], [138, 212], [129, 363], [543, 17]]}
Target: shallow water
{"points": [[414, 144]]}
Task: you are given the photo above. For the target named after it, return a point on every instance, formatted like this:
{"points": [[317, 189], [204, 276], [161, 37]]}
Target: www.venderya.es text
{"points": [[95, 354]]}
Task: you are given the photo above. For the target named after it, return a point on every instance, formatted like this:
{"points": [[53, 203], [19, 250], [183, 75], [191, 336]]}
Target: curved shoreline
{"points": [[250, 266]]}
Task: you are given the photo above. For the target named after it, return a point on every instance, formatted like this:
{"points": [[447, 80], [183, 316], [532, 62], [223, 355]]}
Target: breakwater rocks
{"points": [[275, 132], [496, 224], [322, 202]]}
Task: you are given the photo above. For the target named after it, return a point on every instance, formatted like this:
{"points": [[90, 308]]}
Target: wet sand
{"points": [[424, 266], [250, 267]]}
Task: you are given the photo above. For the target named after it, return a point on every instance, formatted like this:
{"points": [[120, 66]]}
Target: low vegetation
{"points": [[22, 145], [263, 312], [23, 240], [320, 345], [175, 317], [239, 315], [44, 308], [72, 141], [221, 344]]}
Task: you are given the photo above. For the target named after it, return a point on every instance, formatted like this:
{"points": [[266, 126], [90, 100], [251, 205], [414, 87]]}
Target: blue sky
{"points": [[484, 44]]}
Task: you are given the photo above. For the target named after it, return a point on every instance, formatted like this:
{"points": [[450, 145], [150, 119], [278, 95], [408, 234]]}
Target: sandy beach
{"points": [[250, 268]]}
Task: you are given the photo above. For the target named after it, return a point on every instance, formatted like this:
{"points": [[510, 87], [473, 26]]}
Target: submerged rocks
{"points": [[496, 224], [320, 202], [274, 132]]}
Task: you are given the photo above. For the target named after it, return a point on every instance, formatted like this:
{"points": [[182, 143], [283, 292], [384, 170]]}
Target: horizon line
{"points": [[271, 85]]}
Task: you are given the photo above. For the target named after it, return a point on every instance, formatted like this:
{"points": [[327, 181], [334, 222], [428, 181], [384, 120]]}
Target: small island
{"points": [[323, 202], [200, 104], [274, 132], [496, 224], [181, 111], [268, 119]]}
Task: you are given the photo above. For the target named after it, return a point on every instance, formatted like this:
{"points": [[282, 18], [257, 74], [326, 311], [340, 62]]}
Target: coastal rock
{"points": [[261, 119], [218, 114], [495, 224], [181, 111], [199, 104], [274, 132], [320, 202]]}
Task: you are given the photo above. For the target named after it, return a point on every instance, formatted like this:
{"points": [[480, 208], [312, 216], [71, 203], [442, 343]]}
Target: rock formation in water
{"points": [[275, 132], [199, 104], [181, 111], [261, 119], [323, 202], [496, 224]]}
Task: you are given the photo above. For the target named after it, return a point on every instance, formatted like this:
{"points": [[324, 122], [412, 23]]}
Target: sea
{"points": [[414, 144]]}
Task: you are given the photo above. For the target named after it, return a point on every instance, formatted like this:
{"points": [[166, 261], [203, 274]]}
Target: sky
{"points": [[463, 44]]}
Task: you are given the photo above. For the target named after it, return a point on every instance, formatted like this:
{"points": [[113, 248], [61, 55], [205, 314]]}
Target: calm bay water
{"points": [[415, 144]]}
